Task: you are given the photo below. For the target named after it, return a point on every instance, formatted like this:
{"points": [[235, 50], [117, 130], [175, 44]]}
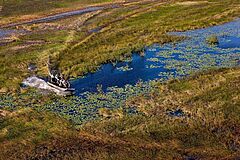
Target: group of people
{"points": [[58, 80], [55, 76]]}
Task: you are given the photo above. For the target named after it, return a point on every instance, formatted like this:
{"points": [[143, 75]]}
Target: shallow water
{"points": [[170, 60], [4, 32]]}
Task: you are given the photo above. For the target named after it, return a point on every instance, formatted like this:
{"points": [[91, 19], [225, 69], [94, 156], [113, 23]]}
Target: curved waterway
{"points": [[4, 33], [8, 32], [170, 60], [58, 16]]}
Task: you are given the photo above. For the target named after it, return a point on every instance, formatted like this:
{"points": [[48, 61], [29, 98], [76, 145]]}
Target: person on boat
{"points": [[51, 77], [66, 84], [57, 78], [61, 80], [61, 84]]}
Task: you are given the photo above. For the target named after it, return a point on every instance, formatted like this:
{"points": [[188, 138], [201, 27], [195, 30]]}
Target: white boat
{"points": [[42, 84], [57, 81], [61, 88]]}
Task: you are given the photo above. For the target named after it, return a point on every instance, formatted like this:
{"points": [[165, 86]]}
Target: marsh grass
{"points": [[210, 115], [28, 127], [208, 128], [125, 30], [14, 63]]}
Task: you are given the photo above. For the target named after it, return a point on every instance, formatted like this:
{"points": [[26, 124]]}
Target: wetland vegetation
{"points": [[207, 128], [124, 29], [153, 79], [212, 40]]}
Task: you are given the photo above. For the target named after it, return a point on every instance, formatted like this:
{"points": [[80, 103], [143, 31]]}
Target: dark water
{"points": [[113, 75], [176, 113], [229, 42], [170, 60]]}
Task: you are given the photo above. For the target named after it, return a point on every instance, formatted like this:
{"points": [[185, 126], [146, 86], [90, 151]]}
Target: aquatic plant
{"points": [[124, 68], [153, 66], [212, 40], [81, 109], [153, 59]]}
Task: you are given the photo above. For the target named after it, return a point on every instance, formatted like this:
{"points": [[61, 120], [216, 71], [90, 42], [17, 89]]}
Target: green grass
{"points": [[208, 130]]}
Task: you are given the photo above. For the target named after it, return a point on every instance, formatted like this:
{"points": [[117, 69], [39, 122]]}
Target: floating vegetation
{"points": [[212, 40], [153, 59], [124, 68], [153, 66], [80, 109], [167, 75]]}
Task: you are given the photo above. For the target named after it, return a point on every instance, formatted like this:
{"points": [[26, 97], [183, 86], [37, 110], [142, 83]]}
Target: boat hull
{"points": [[60, 88]]}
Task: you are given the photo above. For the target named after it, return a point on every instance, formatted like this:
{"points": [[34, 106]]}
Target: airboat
{"points": [[57, 81]]}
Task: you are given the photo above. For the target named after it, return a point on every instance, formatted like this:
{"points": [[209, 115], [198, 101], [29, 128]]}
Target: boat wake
{"points": [[39, 83]]}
